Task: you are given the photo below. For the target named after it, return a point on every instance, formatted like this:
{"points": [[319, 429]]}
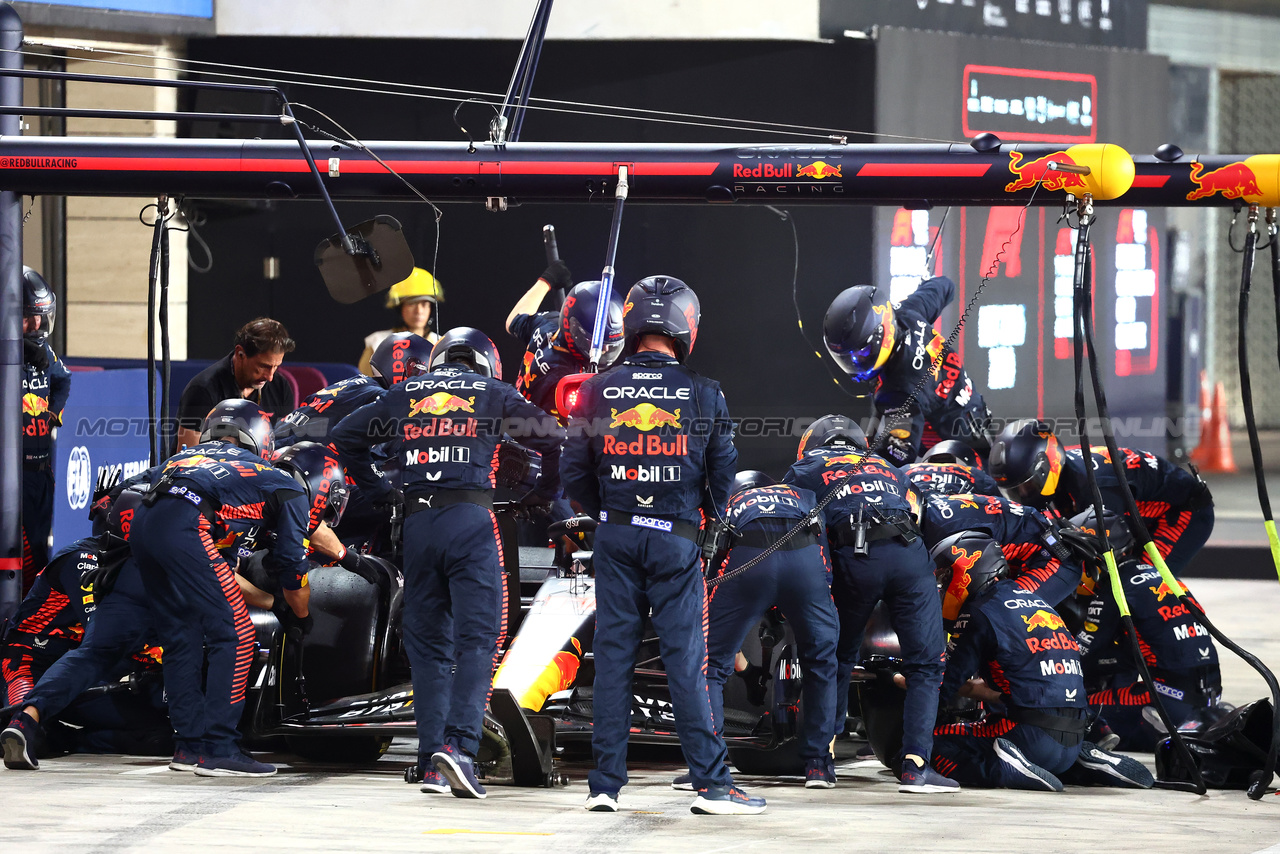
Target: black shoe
{"points": [[18, 740], [1019, 772], [1098, 767]]}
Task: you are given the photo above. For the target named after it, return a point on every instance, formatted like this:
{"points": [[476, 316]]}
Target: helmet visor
{"points": [[339, 494], [1027, 492], [866, 361]]}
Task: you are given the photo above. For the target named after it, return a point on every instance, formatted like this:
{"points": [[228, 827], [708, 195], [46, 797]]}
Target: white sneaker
{"points": [[602, 802]]}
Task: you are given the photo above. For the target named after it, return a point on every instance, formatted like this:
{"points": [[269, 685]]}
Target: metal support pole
{"points": [[53, 212], [10, 337]]}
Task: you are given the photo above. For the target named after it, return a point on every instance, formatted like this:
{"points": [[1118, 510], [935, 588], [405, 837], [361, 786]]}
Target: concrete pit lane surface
{"points": [[92, 804]]}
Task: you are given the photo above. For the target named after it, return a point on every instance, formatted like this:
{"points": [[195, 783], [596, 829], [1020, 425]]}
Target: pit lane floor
{"points": [[108, 803]]}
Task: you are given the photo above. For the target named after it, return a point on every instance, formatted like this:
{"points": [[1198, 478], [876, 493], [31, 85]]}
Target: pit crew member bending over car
{"points": [[951, 468], [447, 424], [897, 347], [797, 579], [1032, 466], [648, 439], [1030, 681], [877, 554]]}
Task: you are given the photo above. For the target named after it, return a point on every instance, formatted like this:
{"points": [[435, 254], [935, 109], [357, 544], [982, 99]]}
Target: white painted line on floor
{"points": [[140, 771]]}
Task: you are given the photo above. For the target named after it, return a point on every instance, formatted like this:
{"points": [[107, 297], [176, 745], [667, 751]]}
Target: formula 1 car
{"points": [[342, 692]]}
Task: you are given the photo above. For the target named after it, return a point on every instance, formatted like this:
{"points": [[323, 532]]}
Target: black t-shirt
{"points": [[217, 383]]}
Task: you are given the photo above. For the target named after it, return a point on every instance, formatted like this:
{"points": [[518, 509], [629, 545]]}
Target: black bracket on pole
{"points": [[506, 125]]}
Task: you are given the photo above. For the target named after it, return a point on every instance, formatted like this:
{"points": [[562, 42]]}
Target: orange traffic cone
{"points": [[1213, 454]]}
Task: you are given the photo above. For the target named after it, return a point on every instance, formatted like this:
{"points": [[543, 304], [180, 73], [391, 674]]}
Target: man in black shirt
{"points": [[248, 371]]}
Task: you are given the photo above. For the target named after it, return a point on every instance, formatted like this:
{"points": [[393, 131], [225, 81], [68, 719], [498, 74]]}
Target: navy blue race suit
{"points": [[447, 427], [796, 579], [1019, 645], [1175, 506], [315, 421], [950, 479], [545, 362], [44, 396], [320, 413], [50, 621], [649, 439], [1178, 651], [946, 400], [210, 499], [895, 568], [1020, 530]]}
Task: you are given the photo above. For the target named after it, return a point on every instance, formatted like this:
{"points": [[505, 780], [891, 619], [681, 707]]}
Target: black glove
{"points": [[355, 563], [290, 621], [34, 352], [536, 499], [557, 275], [388, 503], [1086, 547]]}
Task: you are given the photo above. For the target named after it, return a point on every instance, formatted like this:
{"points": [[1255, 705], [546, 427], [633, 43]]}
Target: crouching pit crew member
{"points": [[1010, 649], [796, 579], [1032, 466], [648, 440], [1179, 652], [897, 346], [447, 425], [878, 555]]}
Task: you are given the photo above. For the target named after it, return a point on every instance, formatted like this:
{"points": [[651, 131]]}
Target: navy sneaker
{"points": [[602, 802], [238, 765], [819, 773], [1103, 768], [460, 771], [916, 780], [434, 783], [18, 740], [184, 759], [683, 783], [1019, 772], [725, 800]]}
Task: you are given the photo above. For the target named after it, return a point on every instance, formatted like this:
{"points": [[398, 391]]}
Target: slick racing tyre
{"points": [[346, 749]]}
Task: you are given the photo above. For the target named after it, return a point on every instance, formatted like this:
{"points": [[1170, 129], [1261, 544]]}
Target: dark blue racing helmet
{"points": [[578, 317], [470, 347], [400, 355], [242, 420]]}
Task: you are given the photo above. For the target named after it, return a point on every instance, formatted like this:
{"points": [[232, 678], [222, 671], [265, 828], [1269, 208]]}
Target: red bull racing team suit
{"points": [[796, 579], [545, 363], [1175, 505], [315, 420], [446, 427], [648, 439], [205, 498], [1178, 651], [947, 401], [951, 479], [878, 555], [46, 383], [50, 621], [1014, 640], [1025, 536]]}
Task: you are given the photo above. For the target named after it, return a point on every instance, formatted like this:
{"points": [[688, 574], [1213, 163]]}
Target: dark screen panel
{"points": [[1016, 341]]}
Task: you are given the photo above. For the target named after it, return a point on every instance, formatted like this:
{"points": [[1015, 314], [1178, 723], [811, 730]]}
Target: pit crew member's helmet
{"points": [[317, 469], [1026, 461], [952, 451], [400, 356], [832, 430], [967, 563], [469, 346], [243, 420], [578, 317], [661, 305], [859, 334]]}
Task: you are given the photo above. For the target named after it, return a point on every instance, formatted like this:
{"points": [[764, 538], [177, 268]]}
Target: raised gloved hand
{"points": [[34, 352], [557, 275]]}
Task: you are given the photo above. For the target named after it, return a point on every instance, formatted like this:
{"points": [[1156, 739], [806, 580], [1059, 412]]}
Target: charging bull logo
{"points": [[185, 462], [843, 460], [1038, 171], [1043, 619], [33, 404], [1162, 591], [819, 170], [1233, 181], [645, 416], [441, 403]]}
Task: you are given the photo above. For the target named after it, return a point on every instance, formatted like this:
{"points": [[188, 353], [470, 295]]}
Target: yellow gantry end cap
{"points": [[1266, 169], [1110, 170]]}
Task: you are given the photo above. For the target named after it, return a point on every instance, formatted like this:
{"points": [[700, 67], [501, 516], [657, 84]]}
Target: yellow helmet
{"points": [[419, 285]]}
